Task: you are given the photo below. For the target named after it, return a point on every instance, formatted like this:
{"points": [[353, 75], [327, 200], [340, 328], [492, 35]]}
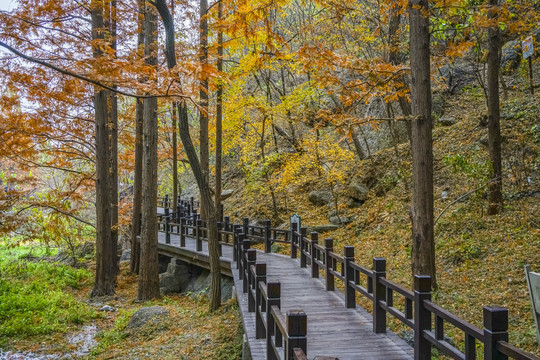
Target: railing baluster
{"points": [[303, 258], [251, 258], [379, 294], [328, 262], [495, 330], [198, 236], [267, 237], [294, 229], [314, 252], [422, 317], [296, 332], [274, 299], [260, 277], [350, 294]]}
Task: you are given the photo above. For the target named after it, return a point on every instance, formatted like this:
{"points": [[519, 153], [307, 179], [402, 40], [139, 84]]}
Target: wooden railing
{"points": [[285, 334]]}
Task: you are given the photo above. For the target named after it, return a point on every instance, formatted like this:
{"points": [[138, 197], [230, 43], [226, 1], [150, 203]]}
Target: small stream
{"points": [[83, 340]]}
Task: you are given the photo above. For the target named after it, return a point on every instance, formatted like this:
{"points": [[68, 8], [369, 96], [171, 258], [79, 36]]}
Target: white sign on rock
{"points": [[533, 281]]}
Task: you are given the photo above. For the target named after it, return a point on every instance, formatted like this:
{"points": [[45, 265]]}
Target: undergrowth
{"points": [[34, 294]]}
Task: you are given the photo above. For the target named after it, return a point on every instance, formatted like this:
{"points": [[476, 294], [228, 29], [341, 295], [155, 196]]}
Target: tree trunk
{"points": [[495, 197], [203, 99], [105, 269], [137, 181], [113, 160], [219, 112], [204, 187], [175, 158], [149, 270], [423, 249]]}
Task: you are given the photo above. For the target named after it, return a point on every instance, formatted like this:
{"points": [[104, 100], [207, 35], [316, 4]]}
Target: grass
{"points": [[35, 297]]}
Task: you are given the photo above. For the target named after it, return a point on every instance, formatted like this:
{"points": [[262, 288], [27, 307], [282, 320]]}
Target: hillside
{"points": [[480, 258]]}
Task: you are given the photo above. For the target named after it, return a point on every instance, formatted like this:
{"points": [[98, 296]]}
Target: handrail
{"points": [[418, 308]]}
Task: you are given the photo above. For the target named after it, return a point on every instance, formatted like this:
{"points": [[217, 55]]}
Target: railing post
{"points": [[245, 245], [221, 212], [314, 265], [219, 229], [182, 232], [297, 331], [328, 262], [294, 229], [251, 258], [166, 204], [260, 276], [495, 330], [245, 225], [350, 295], [192, 203], [198, 236], [226, 228], [274, 299], [267, 236], [236, 243], [167, 229], [303, 258], [422, 317], [379, 294]]}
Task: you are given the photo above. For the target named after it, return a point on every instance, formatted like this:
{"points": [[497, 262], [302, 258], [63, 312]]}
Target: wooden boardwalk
{"points": [[332, 330]]}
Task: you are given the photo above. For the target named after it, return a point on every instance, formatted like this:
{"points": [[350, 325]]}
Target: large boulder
{"points": [[126, 255], [148, 320], [340, 220], [225, 194], [175, 279], [325, 228], [357, 191], [320, 197]]}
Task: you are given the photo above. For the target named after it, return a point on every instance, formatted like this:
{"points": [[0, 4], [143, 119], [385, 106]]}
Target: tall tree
{"points": [[495, 197], [149, 270], [105, 266], [202, 183], [137, 178], [203, 97], [219, 110], [423, 247]]}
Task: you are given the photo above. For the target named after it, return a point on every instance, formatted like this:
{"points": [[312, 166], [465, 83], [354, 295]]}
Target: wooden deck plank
{"points": [[333, 330]]}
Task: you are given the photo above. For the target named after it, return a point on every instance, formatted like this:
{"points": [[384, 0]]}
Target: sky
{"points": [[7, 4]]}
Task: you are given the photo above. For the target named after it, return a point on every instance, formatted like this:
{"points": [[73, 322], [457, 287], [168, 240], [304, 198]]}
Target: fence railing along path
{"points": [[290, 310]]}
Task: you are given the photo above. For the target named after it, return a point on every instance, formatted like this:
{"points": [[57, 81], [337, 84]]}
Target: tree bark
{"points": [[137, 177], [423, 249], [113, 155], [204, 186], [219, 113], [149, 270], [105, 269], [203, 99], [495, 197]]}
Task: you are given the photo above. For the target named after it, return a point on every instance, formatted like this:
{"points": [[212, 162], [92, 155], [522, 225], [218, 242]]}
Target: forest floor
{"points": [[479, 258], [45, 314]]}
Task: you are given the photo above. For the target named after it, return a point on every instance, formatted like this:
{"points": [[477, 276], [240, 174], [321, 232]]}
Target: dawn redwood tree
{"points": [[137, 178], [149, 270], [423, 247], [203, 97], [495, 197], [105, 266], [219, 112], [189, 148]]}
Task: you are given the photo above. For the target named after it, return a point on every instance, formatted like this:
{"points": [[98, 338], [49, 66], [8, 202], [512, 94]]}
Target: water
{"points": [[83, 341]]}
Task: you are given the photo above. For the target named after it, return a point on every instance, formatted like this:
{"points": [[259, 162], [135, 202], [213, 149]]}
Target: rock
{"points": [[126, 255], [353, 203], [325, 228], [444, 195], [225, 194], [201, 285], [447, 120], [175, 279], [153, 316], [357, 191], [320, 197], [458, 76], [484, 140], [107, 308], [437, 106], [340, 220], [510, 57]]}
